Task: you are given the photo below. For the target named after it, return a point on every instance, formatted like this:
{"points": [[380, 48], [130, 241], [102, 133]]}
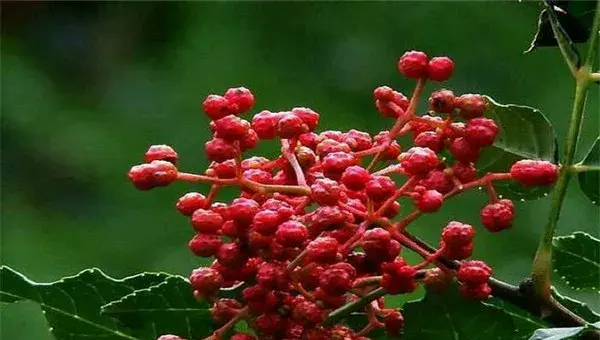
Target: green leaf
{"points": [[577, 260], [589, 180], [72, 305], [448, 316], [575, 19], [166, 308], [561, 333], [577, 307], [521, 318], [525, 133]]}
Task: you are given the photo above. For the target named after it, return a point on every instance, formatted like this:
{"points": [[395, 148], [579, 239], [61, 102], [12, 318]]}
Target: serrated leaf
{"points": [[521, 318], [166, 308], [577, 260], [589, 180], [525, 133], [447, 315], [72, 305], [575, 19], [577, 307], [561, 333]]}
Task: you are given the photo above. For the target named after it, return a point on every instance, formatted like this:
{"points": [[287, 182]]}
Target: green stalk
{"points": [[542, 263], [345, 310]]}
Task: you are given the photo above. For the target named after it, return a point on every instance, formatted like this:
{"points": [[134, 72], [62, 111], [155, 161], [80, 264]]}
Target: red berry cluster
{"points": [[320, 228]]}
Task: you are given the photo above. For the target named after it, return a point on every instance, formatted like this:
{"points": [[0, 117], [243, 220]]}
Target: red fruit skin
{"points": [[328, 146], [272, 275], [308, 116], [398, 278], [264, 124], [308, 313], [442, 101], [458, 252], [498, 216], [481, 132], [471, 105], [437, 180], [310, 140], [392, 151], [431, 140], [231, 128], [242, 210], [479, 293], [457, 234], [393, 322], [384, 93], [249, 141], [291, 126], [418, 161], [418, 127], [231, 255], [335, 163], [156, 174], [328, 300], [429, 201], [268, 323], [386, 108], [291, 234], [258, 176], [224, 169], [241, 97], [440, 68], [474, 273], [216, 107], [335, 281], [380, 188], [161, 153], [242, 336], [206, 280], [224, 310], [206, 221], [326, 192], [464, 172], [323, 250], [358, 140], [220, 150], [437, 280], [265, 222], [534, 173], [190, 202], [413, 64], [205, 245], [464, 151]]}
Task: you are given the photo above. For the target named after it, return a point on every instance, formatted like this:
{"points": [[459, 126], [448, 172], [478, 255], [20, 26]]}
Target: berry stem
{"points": [[288, 153], [404, 188], [542, 263], [218, 334], [354, 306], [367, 281], [188, 177]]}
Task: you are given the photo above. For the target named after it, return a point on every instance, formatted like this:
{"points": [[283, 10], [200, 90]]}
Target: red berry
{"points": [[335, 281], [268, 323], [155, 174], [205, 245], [474, 273], [224, 310], [464, 151], [291, 234], [190, 202], [264, 124], [216, 107], [378, 245], [308, 313], [206, 221], [442, 101], [161, 153], [440, 68], [249, 141], [498, 216], [335, 163], [226, 169], [272, 275], [231, 128], [231, 255], [243, 210], [332, 134], [241, 97], [290, 126], [419, 161], [380, 188], [384, 93], [393, 322], [457, 234], [206, 281], [284, 210], [429, 201], [329, 146], [220, 150], [437, 180], [464, 172], [393, 108], [398, 278], [355, 177], [532, 173], [471, 105], [310, 140], [392, 151], [328, 300], [266, 222], [242, 336], [413, 64], [308, 116], [323, 250], [431, 140], [358, 140], [481, 132], [459, 252], [479, 293], [436, 280], [326, 192], [258, 176]]}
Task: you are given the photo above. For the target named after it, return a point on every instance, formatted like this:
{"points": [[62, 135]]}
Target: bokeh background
{"points": [[87, 87]]}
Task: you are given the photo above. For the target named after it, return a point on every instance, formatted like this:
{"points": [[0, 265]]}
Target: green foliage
{"points": [[562, 333], [524, 133], [589, 179], [457, 319], [166, 308], [577, 307], [577, 260], [72, 305]]}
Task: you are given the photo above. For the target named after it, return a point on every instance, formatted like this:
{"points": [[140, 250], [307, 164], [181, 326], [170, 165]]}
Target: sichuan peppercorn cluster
{"points": [[319, 231]]}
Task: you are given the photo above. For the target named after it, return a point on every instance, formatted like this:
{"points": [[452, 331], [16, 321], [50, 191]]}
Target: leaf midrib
{"points": [[72, 316]]}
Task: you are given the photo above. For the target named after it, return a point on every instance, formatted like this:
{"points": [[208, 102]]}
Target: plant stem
{"points": [[345, 310]]}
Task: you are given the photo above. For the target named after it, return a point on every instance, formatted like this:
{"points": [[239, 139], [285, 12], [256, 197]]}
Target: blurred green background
{"points": [[86, 88]]}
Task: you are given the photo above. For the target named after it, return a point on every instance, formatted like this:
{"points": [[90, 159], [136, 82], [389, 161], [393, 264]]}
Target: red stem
{"points": [[288, 153]]}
